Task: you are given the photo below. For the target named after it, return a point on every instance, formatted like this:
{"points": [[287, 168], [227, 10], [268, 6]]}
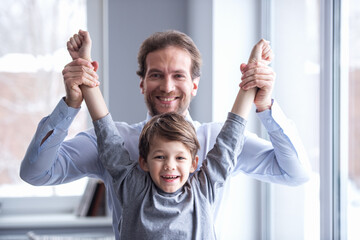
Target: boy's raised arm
{"points": [[79, 46]]}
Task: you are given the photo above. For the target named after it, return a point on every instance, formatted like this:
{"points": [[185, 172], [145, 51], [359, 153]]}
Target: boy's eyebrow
{"points": [[158, 151]]}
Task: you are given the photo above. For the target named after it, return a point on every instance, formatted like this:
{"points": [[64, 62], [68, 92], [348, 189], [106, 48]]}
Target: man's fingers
{"points": [[257, 72], [80, 76], [257, 81], [253, 65], [80, 62]]}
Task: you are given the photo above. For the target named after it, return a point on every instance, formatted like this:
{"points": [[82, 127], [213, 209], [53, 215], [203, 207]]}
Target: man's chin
{"points": [[166, 110]]}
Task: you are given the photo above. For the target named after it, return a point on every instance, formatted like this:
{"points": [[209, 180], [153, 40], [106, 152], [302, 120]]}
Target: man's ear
{"points": [[142, 85], [195, 83], [194, 164], [143, 164]]}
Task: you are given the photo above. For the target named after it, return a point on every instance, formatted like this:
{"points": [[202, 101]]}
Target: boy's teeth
{"points": [[170, 177]]}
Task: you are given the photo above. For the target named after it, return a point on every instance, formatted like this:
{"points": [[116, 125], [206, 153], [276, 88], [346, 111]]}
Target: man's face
{"points": [[169, 164], [167, 85]]}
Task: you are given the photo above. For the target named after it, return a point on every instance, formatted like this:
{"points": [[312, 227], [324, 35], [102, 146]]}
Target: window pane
{"points": [[296, 41], [32, 55], [353, 44]]}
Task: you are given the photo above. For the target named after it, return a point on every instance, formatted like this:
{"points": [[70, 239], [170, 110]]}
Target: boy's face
{"points": [[167, 85], [169, 164]]}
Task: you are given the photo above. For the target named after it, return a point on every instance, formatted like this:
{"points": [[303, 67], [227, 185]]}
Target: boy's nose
{"points": [[168, 166]]}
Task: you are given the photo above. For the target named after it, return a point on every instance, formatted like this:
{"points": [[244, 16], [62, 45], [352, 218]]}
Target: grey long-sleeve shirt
{"points": [[150, 213]]}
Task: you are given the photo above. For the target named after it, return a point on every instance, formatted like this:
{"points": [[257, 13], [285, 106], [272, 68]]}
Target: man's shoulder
{"points": [[207, 125], [125, 127]]}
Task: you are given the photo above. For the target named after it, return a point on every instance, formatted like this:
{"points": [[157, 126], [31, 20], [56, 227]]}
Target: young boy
{"points": [[158, 198]]}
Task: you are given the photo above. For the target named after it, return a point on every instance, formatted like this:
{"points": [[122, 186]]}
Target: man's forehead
{"points": [[169, 55]]}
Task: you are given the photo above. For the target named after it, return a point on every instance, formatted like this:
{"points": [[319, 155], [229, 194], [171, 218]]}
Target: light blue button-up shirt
{"points": [[282, 160]]}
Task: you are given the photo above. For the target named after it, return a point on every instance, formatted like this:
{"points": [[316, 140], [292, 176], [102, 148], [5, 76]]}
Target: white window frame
{"points": [[332, 169], [98, 27]]}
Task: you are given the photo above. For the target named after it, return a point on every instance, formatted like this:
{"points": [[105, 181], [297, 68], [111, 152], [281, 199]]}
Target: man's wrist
{"points": [[73, 104], [261, 108]]}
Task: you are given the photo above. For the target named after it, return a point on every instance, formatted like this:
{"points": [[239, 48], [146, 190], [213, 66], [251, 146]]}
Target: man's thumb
{"points": [[95, 64], [242, 67]]}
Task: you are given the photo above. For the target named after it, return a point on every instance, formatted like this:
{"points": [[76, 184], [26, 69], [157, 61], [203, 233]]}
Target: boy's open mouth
{"points": [[170, 178]]}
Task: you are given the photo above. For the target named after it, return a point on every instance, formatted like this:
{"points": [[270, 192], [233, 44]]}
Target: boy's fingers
{"points": [[74, 44], [77, 40], [69, 46], [85, 35]]}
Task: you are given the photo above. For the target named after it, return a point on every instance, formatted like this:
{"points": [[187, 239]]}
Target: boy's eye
{"points": [[181, 158], [159, 157]]}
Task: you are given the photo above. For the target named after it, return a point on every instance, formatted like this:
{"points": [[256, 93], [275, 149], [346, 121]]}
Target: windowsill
{"points": [[53, 221]]}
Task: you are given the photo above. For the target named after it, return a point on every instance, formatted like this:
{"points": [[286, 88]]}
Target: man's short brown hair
{"points": [[171, 126], [161, 40]]}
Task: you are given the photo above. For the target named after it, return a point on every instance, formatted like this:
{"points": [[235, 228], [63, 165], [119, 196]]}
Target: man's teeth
{"points": [[167, 99]]}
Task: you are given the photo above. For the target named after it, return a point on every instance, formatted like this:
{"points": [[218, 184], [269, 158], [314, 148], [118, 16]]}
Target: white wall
{"points": [[130, 22]]}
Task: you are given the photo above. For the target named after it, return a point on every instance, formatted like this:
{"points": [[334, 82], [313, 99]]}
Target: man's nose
{"points": [[167, 85]]}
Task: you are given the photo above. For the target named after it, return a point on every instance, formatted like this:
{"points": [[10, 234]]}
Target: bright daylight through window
{"points": [[353, 45], [32, 55]]}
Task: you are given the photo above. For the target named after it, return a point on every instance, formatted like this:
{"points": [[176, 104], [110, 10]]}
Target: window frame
{"points": [[24, 206], [332, 184]]}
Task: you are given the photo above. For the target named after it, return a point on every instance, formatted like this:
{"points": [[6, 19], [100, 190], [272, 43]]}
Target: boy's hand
{"points": [[261, 52], [79, 46]]}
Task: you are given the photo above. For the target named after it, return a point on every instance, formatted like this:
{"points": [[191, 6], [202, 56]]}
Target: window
{"points": [[350, 101], [32, 56], [295, 37]]}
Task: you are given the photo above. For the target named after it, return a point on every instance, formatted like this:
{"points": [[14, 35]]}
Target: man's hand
{"points": [[258, 74], [78, 73], [79, 46]]}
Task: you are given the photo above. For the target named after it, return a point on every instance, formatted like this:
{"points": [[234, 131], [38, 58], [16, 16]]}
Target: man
{"points": [[169, 70]]}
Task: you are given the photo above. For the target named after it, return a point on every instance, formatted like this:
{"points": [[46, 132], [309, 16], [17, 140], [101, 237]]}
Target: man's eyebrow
{"points": [[180, 71], [152, 70]]}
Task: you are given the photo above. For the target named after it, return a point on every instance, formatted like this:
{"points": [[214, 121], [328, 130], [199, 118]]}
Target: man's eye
{"points": [[179, 76], [155, 75]]}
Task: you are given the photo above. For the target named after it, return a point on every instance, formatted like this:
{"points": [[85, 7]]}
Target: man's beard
{"points": [[180, 109]]}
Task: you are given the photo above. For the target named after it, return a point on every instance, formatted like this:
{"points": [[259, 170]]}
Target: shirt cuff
{"points": [[63, 115], [273, 118]]}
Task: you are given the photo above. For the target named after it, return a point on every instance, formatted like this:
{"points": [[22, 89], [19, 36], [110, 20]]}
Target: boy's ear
{"points": [[143, 164], [194, 164]]}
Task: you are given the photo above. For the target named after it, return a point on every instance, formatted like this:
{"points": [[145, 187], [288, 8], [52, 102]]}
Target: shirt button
{"points": [[268, 121], [68, 118]]}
